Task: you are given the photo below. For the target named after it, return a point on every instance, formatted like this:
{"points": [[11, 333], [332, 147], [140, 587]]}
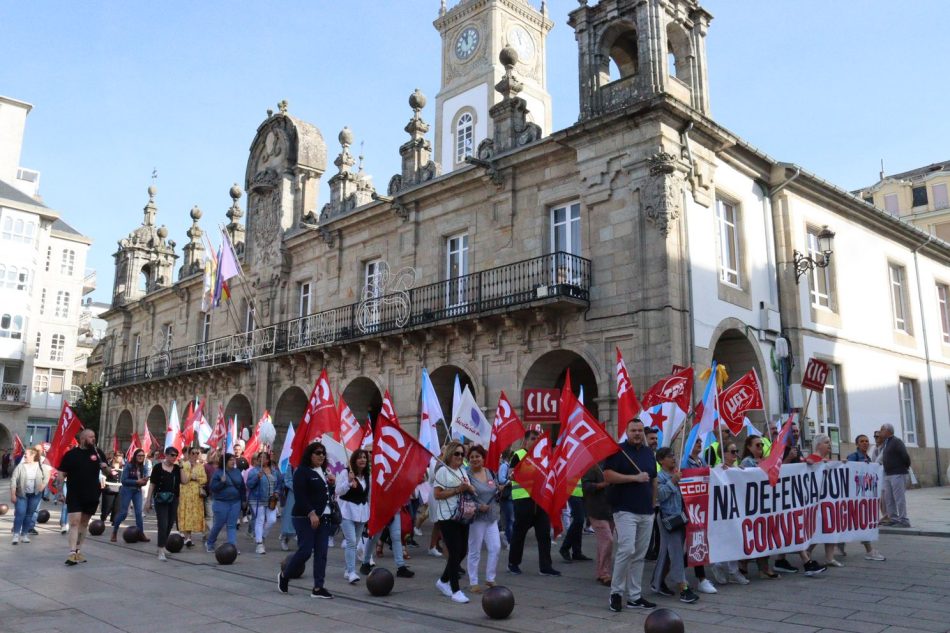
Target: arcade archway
{"points": [[549, 371], [363, 398]]}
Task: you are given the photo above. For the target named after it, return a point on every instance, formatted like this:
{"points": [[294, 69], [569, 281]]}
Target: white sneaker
{"points": [[705, 586], [459, 597], [63, 529], [260, 549], [874, 555], [352, 577], [834, 563], [25, 538], [444, 588], [435, 552], [161, 555], [16, 539], [738, 578], [417, 531]]}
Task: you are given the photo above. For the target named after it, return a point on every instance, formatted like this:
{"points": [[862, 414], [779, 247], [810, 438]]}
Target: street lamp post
{"points": [[806, 263]]}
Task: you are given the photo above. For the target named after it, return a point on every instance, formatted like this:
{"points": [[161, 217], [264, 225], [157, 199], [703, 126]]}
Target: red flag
{"points": [[628, 407], [535, 475], [18, 449], [677, 387], [133, 446], [253, 444], [304, 433], [583, 443], [220, 430], [350, 432], [66, 429], [388, 410], [567, 400], [399, 464], [193, 421], [772, 465], [116, 449], [325, 418], [741, 396], [505, 431]]}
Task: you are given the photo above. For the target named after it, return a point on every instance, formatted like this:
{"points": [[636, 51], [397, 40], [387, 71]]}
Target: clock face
{"points": [[520, 40], [466, 43]]}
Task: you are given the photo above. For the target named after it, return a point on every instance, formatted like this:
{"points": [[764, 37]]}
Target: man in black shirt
{"points": [[631, 474], [80, 467]]}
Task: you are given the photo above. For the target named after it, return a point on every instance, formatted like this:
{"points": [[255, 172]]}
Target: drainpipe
{"points": [[930, 382], [689, 260]]}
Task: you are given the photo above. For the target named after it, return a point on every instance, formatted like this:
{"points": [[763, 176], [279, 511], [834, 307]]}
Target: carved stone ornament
{"points": [[265, 210], [662, 192]]}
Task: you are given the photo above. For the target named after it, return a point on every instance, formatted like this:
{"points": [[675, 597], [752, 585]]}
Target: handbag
{"points": [[336, 517], [466, 509], [164, 497], [675, 522]]}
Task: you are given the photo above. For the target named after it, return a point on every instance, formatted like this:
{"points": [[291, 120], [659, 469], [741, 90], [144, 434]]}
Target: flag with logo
{"points": [[667, 402], [133, 446], [567, 401], [304, 432], [470, 422], [429, 415], [772, 465], [254, 443], [18, 449], [628, 407], [350, 431], [535, 474], [741, 396], [67, 427], [399, 465], [337, 459], [219, 431], [506, 429]]}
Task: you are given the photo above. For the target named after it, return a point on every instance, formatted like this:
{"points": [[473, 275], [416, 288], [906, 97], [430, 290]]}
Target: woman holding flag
{"points": [[450, 483]]}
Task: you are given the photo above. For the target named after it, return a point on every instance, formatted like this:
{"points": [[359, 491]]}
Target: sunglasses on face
{"points": [[735, 451], [319, 453], [458, 454]]}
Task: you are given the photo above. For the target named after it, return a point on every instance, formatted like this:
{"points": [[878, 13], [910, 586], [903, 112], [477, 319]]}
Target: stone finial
{"points": [[509, 86], [235, 228], [282, 106], [163, 231], [151, 209], [442, 8], [417, 101], [416, 153], [345, 160], [194, 249]]}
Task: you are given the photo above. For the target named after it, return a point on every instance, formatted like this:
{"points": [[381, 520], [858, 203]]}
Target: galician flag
{"points": [[284, 461], [430, 415]]}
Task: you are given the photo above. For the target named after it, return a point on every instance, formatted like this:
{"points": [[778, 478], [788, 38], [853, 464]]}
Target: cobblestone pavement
{"points": [[125, 588]]}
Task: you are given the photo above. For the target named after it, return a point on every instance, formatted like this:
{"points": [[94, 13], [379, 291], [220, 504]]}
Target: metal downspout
{"points": [[930, 382]]}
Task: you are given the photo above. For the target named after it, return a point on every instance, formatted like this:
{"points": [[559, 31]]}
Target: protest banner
{"points": [[694, 486], [825, 503]]}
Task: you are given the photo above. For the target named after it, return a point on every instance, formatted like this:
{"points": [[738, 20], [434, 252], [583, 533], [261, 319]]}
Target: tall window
{"points": [[57, 346], [898, 299], [62, 304], [566, 229], [206, 327], [908, 398], [727, 223], [828, 405], [372, 288], [464, 137], [303, 299], [68, 263], [820, 277], [940, 196], [168, 336], [891, 205], [456, 267], [944, 309], [137, 347], [11, 326], [919, 195]]}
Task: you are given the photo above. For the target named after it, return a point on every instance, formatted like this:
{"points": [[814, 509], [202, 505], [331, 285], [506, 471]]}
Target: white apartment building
{"points": [[42, 281]]}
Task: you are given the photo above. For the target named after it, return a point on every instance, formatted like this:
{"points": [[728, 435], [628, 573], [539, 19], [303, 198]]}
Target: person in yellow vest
{"points": [[527, 516]]}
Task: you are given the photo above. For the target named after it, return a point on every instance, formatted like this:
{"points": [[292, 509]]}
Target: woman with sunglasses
{"points": [[752, 453], [191, 503], [729, 572], [313, 487], [450, 483], [166, 479], [134, 477]]}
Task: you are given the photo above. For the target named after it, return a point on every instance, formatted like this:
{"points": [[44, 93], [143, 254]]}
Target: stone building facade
{"points": [[644, 226]]}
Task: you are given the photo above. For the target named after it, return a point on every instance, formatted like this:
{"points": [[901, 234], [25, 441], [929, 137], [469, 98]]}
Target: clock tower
{"points": [[473, 34]]}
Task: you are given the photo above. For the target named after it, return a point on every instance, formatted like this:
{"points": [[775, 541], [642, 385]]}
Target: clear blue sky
{"points": [[122, 87]]}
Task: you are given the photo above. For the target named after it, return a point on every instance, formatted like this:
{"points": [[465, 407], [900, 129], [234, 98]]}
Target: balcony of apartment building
{"points": [[13, 396], [554, 282], [88, 281]]}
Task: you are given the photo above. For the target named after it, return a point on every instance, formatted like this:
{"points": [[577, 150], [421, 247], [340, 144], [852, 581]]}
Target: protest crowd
{"points": [[680, 492]]}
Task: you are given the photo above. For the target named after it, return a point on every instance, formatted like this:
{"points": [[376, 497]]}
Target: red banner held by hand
{"points": [[505, 431], [399, 464]]}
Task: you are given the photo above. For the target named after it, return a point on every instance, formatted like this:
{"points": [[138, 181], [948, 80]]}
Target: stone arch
{"points": [[290, 409], [6, 439], [364, 398], [549, 370], [620, 45], [124, 427], [156, 424], [732, 346], [239, 405], [679, 53]]}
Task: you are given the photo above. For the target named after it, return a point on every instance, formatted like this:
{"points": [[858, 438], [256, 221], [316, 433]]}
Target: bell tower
{"points": [[473, 34], [632, 50], [145, 260]]}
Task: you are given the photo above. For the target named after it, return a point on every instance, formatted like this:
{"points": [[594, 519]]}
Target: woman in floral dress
{"points": [[191, 505]]}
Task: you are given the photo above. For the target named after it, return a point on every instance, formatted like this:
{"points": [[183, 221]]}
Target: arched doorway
{"points": [[364, 399], [240, 406], [289, 410], [734, 350], [123, 428], [6, 440], [443, 381], [155, 422], [549, 371]]}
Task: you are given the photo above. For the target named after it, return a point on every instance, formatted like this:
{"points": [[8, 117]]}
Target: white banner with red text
{"points": [[745, 517]]}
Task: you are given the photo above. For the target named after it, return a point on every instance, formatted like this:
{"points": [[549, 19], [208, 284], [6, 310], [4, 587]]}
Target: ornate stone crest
{"points": [[663, 192]]}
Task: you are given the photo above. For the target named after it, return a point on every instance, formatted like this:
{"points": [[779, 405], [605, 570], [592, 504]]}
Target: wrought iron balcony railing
{"points": [[557, 276], [13, 394]]}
